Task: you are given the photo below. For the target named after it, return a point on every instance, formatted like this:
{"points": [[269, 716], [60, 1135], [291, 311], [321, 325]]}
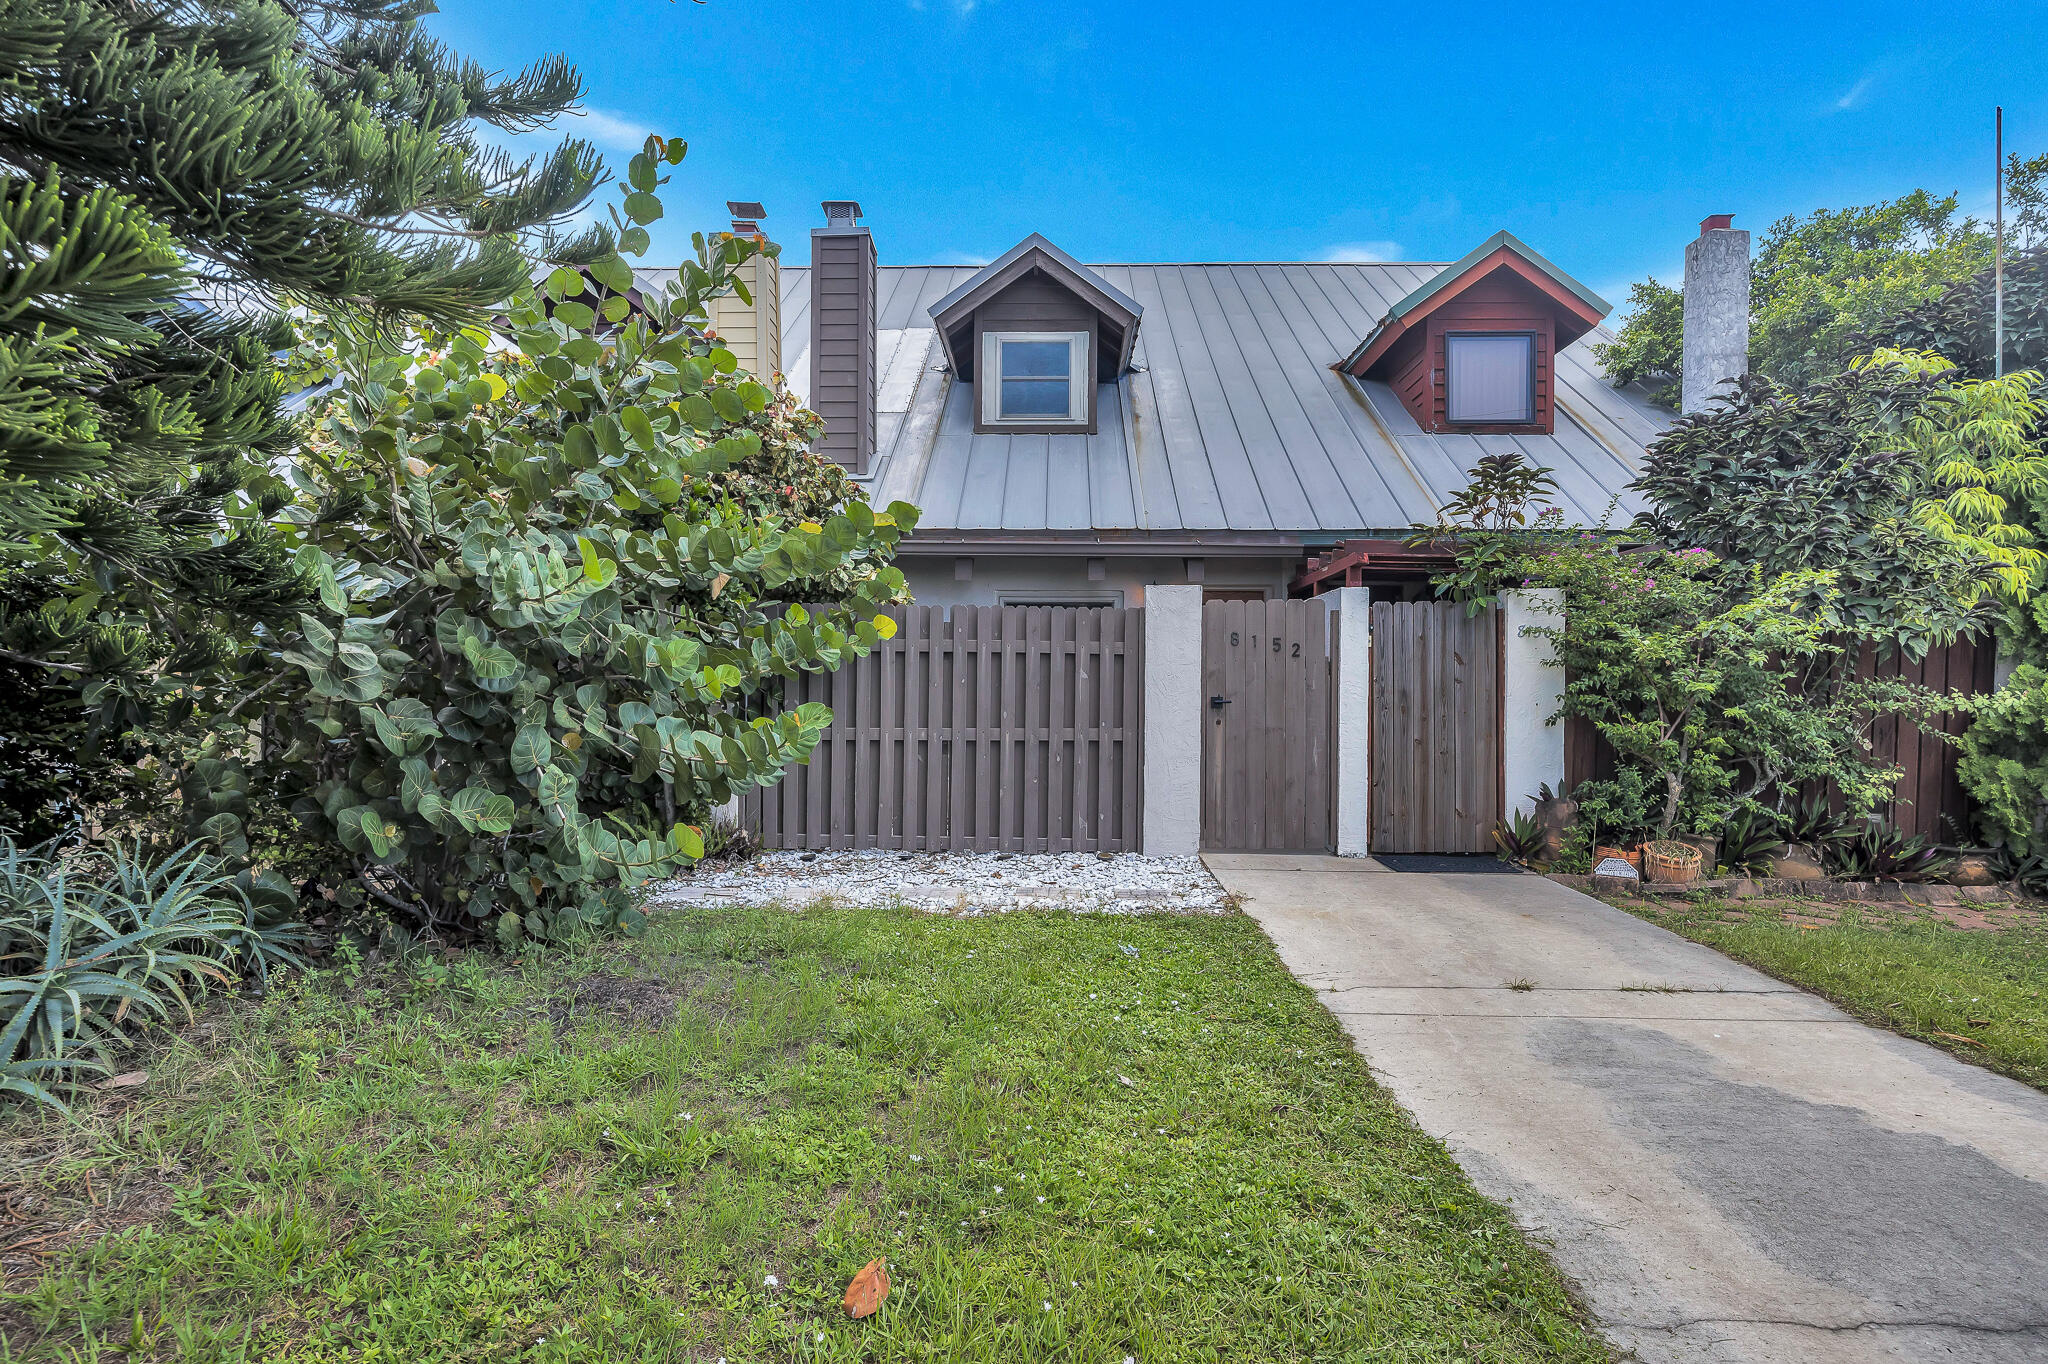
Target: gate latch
{"points": [[1218, 702]]}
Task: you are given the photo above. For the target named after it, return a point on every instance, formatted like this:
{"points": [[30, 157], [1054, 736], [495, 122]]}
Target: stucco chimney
{"points": [[843, 336], [1716, 312]]}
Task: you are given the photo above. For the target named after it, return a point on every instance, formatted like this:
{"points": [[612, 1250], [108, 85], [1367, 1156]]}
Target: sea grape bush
{"points": [[550, 635]]}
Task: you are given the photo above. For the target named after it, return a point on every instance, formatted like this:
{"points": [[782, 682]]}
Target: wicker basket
{"points": [[1669, 862]]}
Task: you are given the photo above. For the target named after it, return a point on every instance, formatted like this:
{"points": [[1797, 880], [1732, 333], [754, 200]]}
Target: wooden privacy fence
{"points": [[1435, 750], [994, 728]]}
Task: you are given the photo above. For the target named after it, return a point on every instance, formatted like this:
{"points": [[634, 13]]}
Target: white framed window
{"points": [[1489, 378], [1035, 378]]}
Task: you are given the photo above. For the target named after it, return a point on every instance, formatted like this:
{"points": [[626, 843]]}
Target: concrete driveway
{"points": [[1731, 1169]]}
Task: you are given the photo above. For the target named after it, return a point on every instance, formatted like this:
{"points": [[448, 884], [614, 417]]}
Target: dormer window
{"points": [[1041, 378], [1036, 335], [1489, 378]]}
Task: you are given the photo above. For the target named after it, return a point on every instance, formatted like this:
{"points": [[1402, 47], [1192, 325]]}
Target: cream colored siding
{"points": [[746, 327]]}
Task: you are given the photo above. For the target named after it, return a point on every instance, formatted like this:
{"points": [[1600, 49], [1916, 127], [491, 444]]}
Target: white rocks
{"points": [[961, 883]]}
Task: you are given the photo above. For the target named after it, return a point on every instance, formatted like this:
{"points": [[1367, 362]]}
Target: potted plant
{"points": [[1670, 861]]}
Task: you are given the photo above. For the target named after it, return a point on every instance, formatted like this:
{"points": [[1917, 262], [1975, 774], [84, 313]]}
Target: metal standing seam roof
{"points": [[1231, 418]]}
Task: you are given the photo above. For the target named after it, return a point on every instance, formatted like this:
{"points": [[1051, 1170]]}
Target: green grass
{"points": [[1981, 993], [1073, 1137]]}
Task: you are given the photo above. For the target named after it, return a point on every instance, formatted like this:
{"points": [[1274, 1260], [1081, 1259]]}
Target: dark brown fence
{"points": [[997, 728], [1929, 799]]}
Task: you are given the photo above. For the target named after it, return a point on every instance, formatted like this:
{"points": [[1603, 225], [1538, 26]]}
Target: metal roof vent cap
{"points": [[841, 212]]}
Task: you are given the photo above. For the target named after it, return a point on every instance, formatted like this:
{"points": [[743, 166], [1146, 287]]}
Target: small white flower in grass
{"points": [[1091, 994], [686, 1117], [771, 1282], [916, 1159], [1046, 1305], [1041, 1198], [999, 1188]]}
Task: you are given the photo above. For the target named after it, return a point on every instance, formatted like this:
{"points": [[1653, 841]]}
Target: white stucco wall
{"points": [[1172, 777], [1532, 683]]}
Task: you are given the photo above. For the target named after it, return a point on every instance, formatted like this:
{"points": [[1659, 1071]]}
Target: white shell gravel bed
{"points": [[957, 883]]}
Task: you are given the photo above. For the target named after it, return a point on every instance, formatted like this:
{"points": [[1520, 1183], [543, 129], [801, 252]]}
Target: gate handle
{"points": [[1217, 702]]}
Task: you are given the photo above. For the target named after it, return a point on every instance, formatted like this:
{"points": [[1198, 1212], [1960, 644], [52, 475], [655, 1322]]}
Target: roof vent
{"points": [[745, 227], [1716, 222], [841, 212]]}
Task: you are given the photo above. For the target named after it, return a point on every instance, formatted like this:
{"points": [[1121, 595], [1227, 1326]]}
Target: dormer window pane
{"points": [[1490, 380], [1036, 378]]}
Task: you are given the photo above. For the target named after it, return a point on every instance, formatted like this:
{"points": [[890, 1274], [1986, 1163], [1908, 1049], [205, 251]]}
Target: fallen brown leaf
{"points": [[1958, 1037], [128, 1081], [869, 1287]]}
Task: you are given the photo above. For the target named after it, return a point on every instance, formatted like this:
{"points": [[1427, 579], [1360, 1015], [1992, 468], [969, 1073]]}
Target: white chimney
{"points": [[1716, 312]]}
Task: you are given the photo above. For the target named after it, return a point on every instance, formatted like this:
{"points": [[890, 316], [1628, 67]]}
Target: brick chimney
{"points": [[843, 336], [1716, 312]]}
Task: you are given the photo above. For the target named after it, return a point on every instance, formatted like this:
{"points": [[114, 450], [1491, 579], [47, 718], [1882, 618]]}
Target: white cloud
{"points": [[959, 258], [607, 128], [1352, 252], [1854, 97]]}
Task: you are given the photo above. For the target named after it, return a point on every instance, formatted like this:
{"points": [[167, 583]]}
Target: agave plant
{"points": [[1750, 839], [90, 943], [1520, 838], [1880, 851]]}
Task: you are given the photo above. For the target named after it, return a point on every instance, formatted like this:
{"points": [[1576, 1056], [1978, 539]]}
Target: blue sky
{"points": [[1599, 134]]}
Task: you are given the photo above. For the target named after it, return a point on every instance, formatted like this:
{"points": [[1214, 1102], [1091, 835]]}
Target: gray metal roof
{"points": [[1231, 419]]}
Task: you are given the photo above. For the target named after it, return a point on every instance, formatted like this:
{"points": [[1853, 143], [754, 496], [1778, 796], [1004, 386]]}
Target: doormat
{"points": [[1441, 863]]}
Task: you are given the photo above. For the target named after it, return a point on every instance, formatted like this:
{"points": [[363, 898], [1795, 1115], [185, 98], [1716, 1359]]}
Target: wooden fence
{"points": [[1929, 799], [994, 728]]}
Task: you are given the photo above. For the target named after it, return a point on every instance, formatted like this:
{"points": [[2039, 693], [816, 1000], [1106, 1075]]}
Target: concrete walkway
{"points": [[1730, 1168]]}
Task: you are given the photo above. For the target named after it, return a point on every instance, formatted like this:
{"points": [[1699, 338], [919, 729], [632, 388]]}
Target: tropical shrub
{"points": [[1717, 687], [1493, 523], [1750, 839], [2004, 763], [94, 942], [554, 615]]}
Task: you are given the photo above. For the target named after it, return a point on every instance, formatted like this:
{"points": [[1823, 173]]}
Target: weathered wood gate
{"points": [[1266, 764], [997, 728], [1436, 728]]}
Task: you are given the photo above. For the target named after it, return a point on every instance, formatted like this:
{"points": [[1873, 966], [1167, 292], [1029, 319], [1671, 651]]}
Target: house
{"points": [[1076, 433]]}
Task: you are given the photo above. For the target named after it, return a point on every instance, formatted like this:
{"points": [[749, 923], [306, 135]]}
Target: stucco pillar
{"points": [[1172, 777], [1353, 624], [1532, 689]]}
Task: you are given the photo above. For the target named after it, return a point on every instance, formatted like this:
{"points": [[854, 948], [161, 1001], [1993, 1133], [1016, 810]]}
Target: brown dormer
{"points": [[1472, 349]]}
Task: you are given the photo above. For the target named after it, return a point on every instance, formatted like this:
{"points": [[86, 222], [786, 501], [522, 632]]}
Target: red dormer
{"points": [[1471, 350]]}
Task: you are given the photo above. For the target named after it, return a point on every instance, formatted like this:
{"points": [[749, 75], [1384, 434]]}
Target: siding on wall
{"points": [[753, 331], [1035, 304], [843, 344]]}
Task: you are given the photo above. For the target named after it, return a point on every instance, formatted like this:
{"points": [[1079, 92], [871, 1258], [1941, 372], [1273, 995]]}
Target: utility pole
{"points": [[1998, 252]]}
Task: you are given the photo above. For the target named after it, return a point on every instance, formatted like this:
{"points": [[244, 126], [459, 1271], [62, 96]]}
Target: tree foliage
{"points": [[172, 177], [1819, 285], [551, 629], [1959, 324], [1828, 478], [2004, 764]]}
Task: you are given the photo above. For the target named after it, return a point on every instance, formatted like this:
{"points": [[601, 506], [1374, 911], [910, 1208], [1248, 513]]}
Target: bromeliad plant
{"points": [[551, 634]]}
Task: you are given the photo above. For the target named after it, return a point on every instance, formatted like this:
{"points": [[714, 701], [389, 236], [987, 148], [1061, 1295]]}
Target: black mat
{"points": [[1435, 863]]}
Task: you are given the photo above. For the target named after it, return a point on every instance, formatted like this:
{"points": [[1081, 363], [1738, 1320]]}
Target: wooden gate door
{"points": [[1267, 744], [1436, 727]]}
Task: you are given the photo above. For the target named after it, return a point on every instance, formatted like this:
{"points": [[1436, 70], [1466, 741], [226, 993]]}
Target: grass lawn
{"points": [[1073, 1138], [1980, 992]]}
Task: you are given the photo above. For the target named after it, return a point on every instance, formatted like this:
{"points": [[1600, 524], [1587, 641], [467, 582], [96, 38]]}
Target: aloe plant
{"points": [[92, 942]]}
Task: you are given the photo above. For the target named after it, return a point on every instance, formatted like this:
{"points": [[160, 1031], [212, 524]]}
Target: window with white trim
{"points": [[1489, 378], [1034, 378]]}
